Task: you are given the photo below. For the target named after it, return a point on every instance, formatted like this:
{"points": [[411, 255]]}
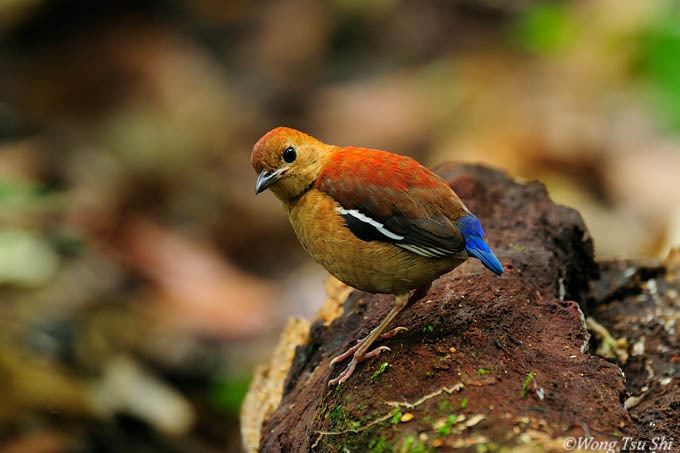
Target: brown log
{"points": [[486, 362]]}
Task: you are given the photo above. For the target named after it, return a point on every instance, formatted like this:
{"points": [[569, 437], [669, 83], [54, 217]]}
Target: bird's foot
{"points": [[353, 349], [347, 372], [356, 358]]}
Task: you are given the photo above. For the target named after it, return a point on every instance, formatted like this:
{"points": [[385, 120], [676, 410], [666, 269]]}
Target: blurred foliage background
{"points": [[140, 278]]}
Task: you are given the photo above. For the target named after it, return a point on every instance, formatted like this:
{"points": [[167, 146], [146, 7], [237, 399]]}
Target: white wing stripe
{"points": [[425, 251], [434, 252], [418, 250], [374, 223], [411, 249]]}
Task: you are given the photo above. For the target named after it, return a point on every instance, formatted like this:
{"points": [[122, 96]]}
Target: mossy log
{"points": [[487, 363]]}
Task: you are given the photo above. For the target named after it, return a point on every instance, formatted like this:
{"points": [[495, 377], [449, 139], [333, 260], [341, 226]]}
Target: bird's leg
{"points": [[417, 295], [360, 352]]}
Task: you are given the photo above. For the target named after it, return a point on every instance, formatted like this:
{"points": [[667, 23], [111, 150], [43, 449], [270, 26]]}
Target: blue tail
{"points": [[476, 246]]}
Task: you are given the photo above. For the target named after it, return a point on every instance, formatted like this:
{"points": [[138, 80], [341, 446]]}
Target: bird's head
{"points": [[287, 162]]}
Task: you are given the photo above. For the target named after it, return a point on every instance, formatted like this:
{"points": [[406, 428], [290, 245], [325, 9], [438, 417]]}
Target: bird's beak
{"points": [[267, 178]]}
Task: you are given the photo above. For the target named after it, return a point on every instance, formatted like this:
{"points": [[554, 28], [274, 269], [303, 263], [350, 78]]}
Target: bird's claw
{"points": [[344, 355], [393, 332], [347, 372], [375, 353], [356, 358], [353, 349]]}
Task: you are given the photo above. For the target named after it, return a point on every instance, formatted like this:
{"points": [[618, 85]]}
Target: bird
{"points": [[378, 221]]}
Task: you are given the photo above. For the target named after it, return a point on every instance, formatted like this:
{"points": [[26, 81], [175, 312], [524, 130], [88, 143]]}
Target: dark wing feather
{"points": [[391, 198], [437, 235], [362, 230]]}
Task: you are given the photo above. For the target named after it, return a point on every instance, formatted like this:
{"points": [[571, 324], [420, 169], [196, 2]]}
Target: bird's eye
{"points": [[289, 154]]}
